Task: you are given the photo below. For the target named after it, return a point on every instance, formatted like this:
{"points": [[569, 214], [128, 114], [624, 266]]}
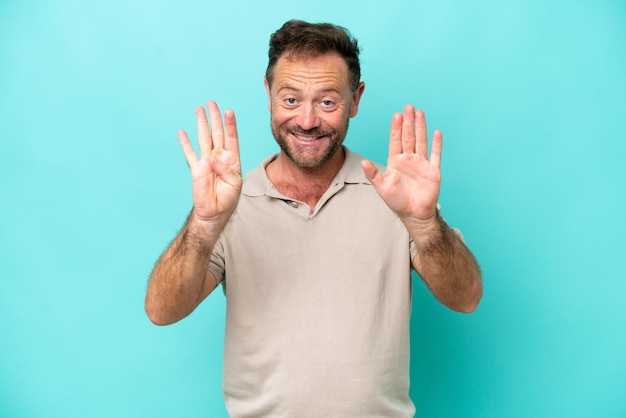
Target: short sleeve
{"points": [[217, 262]]}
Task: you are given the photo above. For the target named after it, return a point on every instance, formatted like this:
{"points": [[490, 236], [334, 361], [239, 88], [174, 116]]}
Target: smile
{"points": [[307, 138]]}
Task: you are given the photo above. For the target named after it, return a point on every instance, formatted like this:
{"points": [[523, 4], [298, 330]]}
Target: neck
{"points": [[303, 183]]}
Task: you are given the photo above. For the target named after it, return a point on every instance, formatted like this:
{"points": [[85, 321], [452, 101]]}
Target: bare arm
{"points": [[446, 265], [410, 187], [180, 279]]}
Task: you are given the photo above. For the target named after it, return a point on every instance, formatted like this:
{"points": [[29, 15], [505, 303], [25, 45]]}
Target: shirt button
{"points": [[294, 205]]}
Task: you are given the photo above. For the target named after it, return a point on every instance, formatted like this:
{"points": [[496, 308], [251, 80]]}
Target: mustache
{"points": [[311, 132]]}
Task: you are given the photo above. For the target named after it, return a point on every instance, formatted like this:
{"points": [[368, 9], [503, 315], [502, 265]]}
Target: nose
{"points": [[307, 117]]}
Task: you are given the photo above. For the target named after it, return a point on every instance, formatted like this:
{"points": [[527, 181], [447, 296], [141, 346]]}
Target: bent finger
{"points": [[372, 173]]}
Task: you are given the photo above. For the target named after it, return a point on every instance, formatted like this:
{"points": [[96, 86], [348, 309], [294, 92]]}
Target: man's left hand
{"points": [[412, 180]]}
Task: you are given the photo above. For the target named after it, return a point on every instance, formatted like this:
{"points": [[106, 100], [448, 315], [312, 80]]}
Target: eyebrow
{"points": [[297, 90], [288, 88]]}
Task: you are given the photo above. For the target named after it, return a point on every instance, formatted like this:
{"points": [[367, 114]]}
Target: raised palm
{"points": [[216, 175], [411, 183]]}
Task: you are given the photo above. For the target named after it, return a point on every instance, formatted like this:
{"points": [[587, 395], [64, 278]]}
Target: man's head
{"points": [[313, 86], [301, 40]]}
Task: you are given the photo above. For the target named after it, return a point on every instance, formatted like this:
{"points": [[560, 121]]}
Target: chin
{"points": [[314, 159]]}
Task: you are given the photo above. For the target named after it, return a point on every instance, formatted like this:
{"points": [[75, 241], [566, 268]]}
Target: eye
{"points": [[329, 104], [290, 101]]}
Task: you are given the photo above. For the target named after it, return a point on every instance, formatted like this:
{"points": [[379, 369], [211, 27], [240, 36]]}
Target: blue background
{"points": [[530, 96]]}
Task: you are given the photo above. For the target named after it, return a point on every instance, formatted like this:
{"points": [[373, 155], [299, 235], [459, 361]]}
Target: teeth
{"points": [[305, 138]]}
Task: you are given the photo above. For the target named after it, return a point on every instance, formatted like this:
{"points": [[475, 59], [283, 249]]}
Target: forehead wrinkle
{"points": [[296, 89], [301, 74], [298, 79]]}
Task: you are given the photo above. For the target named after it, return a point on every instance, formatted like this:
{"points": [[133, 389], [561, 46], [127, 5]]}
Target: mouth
{"points": [[308, 137]]}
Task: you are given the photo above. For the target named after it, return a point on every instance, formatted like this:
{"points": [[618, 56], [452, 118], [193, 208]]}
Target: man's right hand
{"points": [[216, 175], [180, 279]]}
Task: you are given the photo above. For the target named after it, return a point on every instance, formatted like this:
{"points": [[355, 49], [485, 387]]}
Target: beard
{"points": [[315, 155]]}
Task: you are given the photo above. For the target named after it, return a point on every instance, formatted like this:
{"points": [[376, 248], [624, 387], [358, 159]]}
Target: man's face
{"points": [[311, 103]]}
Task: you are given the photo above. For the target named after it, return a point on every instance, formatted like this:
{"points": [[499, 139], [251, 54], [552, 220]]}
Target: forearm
{"points": [[178, 282], [446, 264]]}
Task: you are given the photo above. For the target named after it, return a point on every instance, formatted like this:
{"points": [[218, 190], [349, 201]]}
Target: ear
{"points": [[269, 95], [356, 98]]}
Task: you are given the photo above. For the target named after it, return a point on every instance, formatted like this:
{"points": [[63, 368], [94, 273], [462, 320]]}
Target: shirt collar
{"points": [[258, 184]]}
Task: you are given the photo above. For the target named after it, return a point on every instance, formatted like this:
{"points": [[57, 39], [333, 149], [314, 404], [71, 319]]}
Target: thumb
{"points": [[372, 173], [225, 169]]}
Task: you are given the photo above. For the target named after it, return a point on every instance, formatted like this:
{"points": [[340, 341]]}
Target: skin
{"points": [[410, 187], [311, 102], [180, 281]]}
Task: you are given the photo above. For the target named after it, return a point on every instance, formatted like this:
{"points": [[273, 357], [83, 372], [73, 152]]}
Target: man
{"points": [[314, 249]]}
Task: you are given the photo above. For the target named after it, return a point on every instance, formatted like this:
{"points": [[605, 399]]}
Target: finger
{"points": [[421, 135], [231, 142], [223, 167], [204, 133], [395, 136], [217, 130], [408, 130], [372, 173], [185, 144], [435, 151]]}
